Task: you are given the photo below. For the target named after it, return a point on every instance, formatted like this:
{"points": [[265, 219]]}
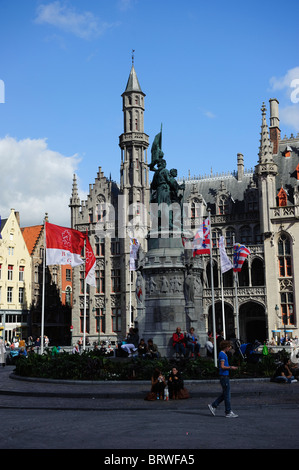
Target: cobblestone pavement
{"points": [[115, 416]]}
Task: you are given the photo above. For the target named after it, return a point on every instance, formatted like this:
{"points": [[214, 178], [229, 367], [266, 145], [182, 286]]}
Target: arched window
{"points": [[284, 256], [68, 296], [245, 234], [230, 236]]}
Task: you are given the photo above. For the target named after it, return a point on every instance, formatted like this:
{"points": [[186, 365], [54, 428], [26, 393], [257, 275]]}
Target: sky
{"points": [[205, 67]]}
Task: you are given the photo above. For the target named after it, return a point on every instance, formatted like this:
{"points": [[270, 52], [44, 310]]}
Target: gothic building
{"points": [[258, 208]]}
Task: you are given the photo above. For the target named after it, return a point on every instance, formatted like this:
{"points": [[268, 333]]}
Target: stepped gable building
{"points": [[258, 208], [58, 291], [15, 278]]}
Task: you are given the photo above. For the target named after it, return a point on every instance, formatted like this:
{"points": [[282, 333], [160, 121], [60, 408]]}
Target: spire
{"points": [[266, 149], [133, 83]]}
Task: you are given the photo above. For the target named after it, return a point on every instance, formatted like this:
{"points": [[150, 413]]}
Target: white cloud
{"points": [[85, 25], [287, 91], [284, 82], [209, 114], [35, 180]]}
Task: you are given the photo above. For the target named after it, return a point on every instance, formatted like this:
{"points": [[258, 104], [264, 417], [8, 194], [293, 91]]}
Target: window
{"points": [[9, 295], [115, 247], [115, 280], [100, 281], [284, 257], [21, 273], [68, 296], [223, 207], [116, 320], [0, 271], [100, 320], [287, 308], [10, 272], [100, 246], [82, 320], [216, 234], [245, 234], [229, 237], [81, 282], [21, 295], [68, 274], [10, 251]]}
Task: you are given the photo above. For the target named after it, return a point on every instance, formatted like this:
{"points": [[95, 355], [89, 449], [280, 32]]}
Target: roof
{"points": [[133, 83], [31, 236], [2, 223]]}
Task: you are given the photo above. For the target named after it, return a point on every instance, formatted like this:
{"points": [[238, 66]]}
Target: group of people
{"points": [[185, 343], [133, 347], [173, 384]]}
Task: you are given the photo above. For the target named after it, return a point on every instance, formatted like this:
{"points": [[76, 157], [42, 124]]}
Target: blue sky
{"points": [[205, 67]]}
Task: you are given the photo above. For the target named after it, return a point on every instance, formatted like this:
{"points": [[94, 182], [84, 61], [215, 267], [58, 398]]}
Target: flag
{"points": [[90, 264], [63, 245], [187, 243], [240, 254], [201, 241], [134, 247], [225, 262]]}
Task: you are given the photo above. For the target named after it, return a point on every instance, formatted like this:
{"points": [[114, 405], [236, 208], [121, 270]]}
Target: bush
{"points": [[90, 365]]}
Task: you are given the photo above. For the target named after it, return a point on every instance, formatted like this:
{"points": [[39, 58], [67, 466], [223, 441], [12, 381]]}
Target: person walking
{"points": [[224, 369]]}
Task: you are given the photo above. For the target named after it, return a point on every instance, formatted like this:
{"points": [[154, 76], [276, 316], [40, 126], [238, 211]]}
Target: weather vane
{"points": [[133, 50]]}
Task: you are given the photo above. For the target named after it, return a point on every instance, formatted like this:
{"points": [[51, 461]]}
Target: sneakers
{"points": [[294, 381], [231, 414], [212, 409]]}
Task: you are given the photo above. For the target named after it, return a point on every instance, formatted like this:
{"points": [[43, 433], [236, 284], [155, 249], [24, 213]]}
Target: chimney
{"points": [[240, 166], [274, 124]]}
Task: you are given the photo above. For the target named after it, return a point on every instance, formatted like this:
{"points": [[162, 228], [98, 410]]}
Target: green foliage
{"points": [[90, 365]]}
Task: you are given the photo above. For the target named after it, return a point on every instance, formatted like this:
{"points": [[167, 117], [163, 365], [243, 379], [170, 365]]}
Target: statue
{"points": [[164, 186]]}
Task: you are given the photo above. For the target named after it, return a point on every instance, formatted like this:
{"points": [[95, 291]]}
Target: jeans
{"points": [[225, 396], [180, 348]]}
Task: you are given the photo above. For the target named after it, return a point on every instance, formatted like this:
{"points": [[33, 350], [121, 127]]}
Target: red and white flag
{"points": [[90, 264], [240, 255], [201, 241], [63, 245]]}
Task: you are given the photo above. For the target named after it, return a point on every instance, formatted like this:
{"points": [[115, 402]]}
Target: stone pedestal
{"points": [[173, 293]]}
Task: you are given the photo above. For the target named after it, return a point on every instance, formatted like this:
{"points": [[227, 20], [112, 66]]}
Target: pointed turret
{"points": [[266, 171], [266, 148], [75, 203], [133, 83]]}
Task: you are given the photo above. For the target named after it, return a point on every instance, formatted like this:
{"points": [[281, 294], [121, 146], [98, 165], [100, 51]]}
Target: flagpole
{"points": [[236, 299], [213, 302], [130, 302], [43, 289], [222, 301], [84, 313]]}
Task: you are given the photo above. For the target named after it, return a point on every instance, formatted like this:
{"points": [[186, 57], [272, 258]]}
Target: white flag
{"points": [[225, 262], [134, 247]]}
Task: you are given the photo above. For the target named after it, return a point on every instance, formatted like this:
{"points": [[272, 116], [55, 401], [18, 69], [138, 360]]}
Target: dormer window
{"points": [[287, 152], [223, 205], [282, 198]]}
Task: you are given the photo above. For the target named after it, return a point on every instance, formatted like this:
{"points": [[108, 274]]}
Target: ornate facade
{"points": [[258, 208]]}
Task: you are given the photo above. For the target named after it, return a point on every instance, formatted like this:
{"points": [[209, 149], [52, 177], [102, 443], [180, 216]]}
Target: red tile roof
{"points": [[31, 236]]}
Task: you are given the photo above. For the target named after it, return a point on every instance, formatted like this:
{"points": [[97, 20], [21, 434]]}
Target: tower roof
{"points": [[133, 83]]}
